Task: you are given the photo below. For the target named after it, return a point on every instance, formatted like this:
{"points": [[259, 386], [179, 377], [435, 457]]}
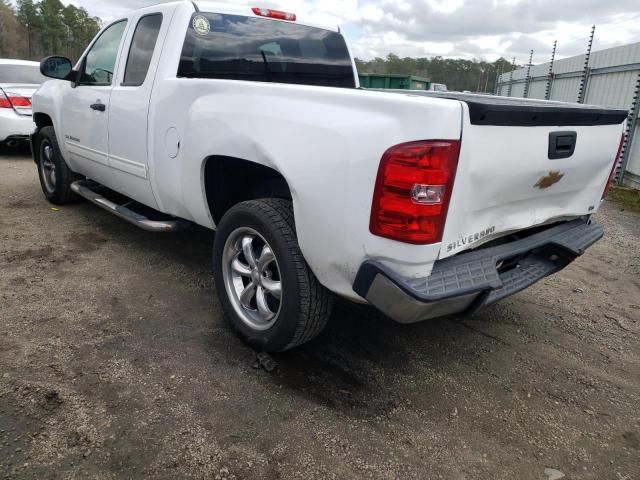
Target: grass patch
{"points": [[627, 197]]}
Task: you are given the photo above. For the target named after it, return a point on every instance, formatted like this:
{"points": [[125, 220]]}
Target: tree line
{"points": [[458, 74], [34, 29]]}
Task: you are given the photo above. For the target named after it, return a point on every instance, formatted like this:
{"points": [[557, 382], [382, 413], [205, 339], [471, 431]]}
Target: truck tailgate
{"points": [[508, 178]]}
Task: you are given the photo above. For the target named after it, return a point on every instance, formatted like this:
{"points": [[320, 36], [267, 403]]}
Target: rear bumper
{"points": [[470, 281], [14, 125]]}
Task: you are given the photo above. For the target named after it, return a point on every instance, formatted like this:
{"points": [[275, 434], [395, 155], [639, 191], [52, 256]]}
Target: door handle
{"points": [[100, 107]]}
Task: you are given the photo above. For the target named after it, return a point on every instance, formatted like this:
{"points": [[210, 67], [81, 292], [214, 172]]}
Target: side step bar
{"points": [[84, 188]]}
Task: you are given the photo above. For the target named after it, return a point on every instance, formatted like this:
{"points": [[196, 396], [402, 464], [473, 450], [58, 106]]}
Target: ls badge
{"points": [[549, 180]]}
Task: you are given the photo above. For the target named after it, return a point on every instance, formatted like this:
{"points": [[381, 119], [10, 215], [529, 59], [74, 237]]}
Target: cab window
{"points": [[101, 59]]}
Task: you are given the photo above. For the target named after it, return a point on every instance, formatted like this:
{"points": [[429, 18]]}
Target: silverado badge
{"points": [[549, 180]]}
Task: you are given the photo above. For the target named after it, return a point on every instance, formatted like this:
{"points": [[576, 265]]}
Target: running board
{"points": [[84, 189]]}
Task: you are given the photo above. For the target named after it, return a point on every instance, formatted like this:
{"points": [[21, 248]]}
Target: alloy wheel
{"points": [[48, 166], [252, 278]]}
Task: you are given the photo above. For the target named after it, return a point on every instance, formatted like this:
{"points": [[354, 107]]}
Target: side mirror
{"points": [[59, 68]]}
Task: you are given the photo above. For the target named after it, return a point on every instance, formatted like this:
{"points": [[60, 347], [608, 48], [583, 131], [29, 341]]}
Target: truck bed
{"points": [[525, 163]]}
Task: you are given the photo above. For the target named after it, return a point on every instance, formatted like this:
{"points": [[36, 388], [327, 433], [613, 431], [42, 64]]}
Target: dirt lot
{"points": [[115, 362]]}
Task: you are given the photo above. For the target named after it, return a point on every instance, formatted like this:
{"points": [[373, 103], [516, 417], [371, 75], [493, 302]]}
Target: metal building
{"points": [[610, 77]]}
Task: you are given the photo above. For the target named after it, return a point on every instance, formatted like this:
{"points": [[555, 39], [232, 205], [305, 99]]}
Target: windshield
{"points": [[21, 74], [243, 48]]}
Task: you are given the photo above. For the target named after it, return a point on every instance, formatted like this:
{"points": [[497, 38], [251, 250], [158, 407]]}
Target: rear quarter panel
{"points": [[326, 142]]}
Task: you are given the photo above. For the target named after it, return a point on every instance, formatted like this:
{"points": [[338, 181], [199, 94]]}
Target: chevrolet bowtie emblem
{"points": [[549, 180]]}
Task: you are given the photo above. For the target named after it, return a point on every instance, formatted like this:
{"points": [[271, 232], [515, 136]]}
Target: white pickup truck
{"points": [[251, 122]]}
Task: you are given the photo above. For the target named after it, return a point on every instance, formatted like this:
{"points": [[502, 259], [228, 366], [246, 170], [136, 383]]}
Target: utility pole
{"points": [[547, 92], [29, 40], [582, 92], [528, 81]]}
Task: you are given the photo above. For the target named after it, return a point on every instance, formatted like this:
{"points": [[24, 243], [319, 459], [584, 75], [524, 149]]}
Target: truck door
{"points": [[129, 104], [84, 108]]}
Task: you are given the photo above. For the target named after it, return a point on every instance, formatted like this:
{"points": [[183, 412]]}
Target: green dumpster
{"points": [[393, 81]]}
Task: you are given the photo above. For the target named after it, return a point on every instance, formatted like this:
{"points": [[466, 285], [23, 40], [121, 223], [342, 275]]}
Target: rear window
{"points": [[21, 74], [236, 47]]}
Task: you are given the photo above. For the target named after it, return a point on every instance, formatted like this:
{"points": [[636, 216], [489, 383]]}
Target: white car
{"points": [[250, 121], [438, 87], [19, 79]]}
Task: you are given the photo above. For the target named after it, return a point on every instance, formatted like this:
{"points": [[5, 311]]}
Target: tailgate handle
{"points": [[562, 144]]}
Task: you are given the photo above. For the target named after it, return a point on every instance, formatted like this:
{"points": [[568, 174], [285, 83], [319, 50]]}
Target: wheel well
{"points": [[229, 181], [42, 120]]}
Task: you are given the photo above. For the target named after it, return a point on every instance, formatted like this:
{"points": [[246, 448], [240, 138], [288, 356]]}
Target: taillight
{"points": [[277, 14], [413, 190], [11, 101], [613, 169], [19, 101], [4, 101]]}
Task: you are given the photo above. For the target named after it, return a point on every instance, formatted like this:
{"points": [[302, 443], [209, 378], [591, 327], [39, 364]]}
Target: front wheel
{"points": [[55, 176], [267, 291]]}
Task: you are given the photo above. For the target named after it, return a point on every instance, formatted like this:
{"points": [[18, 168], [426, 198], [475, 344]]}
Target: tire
{"points": [[55, 176], [304, 306]]}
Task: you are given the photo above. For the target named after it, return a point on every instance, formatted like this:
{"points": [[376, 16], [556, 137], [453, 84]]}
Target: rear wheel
{"points": [[267, 291], [55, 176]]}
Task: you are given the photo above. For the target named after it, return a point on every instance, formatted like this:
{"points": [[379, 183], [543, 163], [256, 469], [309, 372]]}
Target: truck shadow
{"points": [[22, 152], [363, 365]]}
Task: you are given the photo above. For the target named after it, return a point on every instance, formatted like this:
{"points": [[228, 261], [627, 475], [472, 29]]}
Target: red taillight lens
{"points": [[10, 101], [277, 14], [413, 190], [19, 101], [4, 101], [613, 169]]}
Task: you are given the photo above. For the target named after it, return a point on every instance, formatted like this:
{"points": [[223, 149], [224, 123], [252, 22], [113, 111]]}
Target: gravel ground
{"points": [[115, 362]]}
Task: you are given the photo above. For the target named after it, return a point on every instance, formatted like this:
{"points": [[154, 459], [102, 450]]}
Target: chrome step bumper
{"points": [[85, 188], [473, 280]]}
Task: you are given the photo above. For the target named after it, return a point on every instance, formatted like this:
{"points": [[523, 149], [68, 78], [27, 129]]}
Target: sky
{"points": [[483, 29]]}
